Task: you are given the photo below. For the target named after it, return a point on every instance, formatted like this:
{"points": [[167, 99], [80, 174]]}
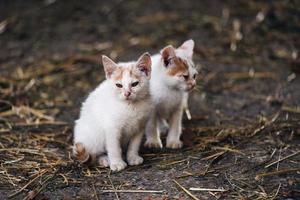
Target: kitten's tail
{"points": [[81, 154]]}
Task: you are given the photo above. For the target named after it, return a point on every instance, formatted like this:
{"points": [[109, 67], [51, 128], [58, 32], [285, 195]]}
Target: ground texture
{"points": [[242, 142]]}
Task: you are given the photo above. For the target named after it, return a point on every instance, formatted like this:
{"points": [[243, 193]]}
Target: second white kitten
{"points": [[173, 76]]}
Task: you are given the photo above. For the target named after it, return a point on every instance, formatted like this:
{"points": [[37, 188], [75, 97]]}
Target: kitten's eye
{"points": [[168, 62], [119, 85], [186, 77], [134, 84], [195, 75]]}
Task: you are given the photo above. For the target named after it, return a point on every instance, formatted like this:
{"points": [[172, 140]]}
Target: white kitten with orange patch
{"points": [[114, 115], [173, 76]]}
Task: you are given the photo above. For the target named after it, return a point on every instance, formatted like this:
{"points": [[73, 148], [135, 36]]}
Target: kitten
{"points": [[173, 76], [114, 115]]}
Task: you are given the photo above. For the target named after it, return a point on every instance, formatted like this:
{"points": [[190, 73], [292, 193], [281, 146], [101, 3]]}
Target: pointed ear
{"points": [[167, 53], [188, 46], [109, 66], [144, 63]]}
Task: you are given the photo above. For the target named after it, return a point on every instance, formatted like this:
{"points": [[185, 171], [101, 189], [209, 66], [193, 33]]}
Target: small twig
{"points": [[65, 178], [45, 123], [272, 154], [277, 191], [185, 190], [266, 124], [291, 109], [229, 149], [216, 155], [263, 191], [233, 184], [284, 171], [246, 75], [188, 114], [279, 157], [187, 174], [112, 185], [208, 189], [214, 195], [172, 162], [95, 192], [133, 191], [284, 158]]}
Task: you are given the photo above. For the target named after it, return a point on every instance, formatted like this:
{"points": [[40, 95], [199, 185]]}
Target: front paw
{"points": [[103, 161], [135, 160], [174, 144], [118, 166], [153, 143]]}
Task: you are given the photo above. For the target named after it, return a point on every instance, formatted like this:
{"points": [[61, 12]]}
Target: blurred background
{"points": [[57, 44], [248, 58]]}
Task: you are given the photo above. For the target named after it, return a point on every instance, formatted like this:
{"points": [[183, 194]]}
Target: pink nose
{"points": [[127, 94], [191, 85]]}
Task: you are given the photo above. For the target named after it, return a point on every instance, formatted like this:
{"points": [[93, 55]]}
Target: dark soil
{"points": [[246, 108]]}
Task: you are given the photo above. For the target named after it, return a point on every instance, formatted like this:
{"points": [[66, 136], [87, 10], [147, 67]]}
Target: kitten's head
{"points": [[130, 81], [179, 69]]}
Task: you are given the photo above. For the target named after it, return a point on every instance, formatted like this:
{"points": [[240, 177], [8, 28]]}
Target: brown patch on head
{"points": [[120, 71], [178, 67], [118, 74], [134, 70]]}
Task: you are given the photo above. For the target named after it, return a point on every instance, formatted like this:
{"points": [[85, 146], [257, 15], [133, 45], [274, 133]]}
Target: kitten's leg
{"points": [[173, 138], [133, 157], [114, 152], [163, 126], [152, 133]]}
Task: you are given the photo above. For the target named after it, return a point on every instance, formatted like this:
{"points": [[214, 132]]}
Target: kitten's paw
{"points": [[150, 143], [103, 161], [174, 144], [135, 160], [118, 166]]}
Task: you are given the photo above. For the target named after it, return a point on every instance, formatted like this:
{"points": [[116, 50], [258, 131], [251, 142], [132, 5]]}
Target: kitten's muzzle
{"points": [[190, 85], [127, 94]]}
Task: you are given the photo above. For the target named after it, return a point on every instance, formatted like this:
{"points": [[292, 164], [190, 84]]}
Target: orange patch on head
{"points": [[120, 71], [118, 74], [178, 67]]}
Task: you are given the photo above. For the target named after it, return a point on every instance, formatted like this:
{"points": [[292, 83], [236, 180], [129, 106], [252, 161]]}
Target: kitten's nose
{"points": [[127, 94], [191, 85]]}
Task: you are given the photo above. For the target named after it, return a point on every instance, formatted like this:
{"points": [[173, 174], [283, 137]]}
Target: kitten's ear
{"points": [[167, 53], [109, 66], [188, 46], [144, 63]]}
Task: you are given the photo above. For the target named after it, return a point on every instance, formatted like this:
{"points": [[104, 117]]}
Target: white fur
{"points": [[109, 123], [170, 98]]}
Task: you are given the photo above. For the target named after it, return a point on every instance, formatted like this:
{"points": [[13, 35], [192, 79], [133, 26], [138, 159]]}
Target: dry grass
{"points": [[35, 147]]}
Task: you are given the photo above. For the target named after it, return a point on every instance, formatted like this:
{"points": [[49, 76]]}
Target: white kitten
{"points": [[114, 115], [173, 76]]}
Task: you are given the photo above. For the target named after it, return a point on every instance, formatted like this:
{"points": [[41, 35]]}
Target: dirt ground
{"points": [[243, 140]]}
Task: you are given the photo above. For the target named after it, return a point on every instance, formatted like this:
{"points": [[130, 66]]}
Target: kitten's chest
{"points": [[134, 118], [168, 102]]}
